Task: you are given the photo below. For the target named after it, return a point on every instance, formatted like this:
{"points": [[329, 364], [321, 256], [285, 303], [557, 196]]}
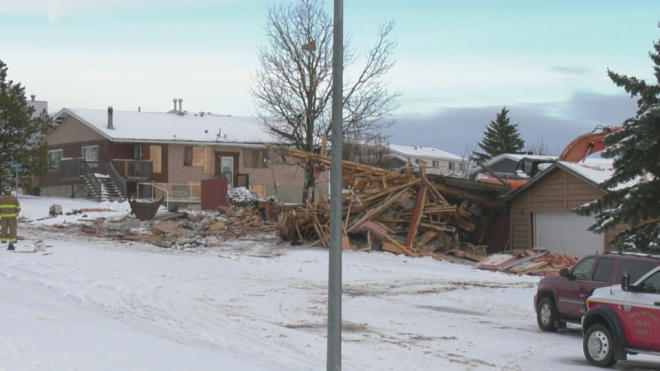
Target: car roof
{"points": [[634, 255]]}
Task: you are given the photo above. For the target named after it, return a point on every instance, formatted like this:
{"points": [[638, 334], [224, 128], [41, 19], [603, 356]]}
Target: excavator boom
{"points": [[586, 144]]}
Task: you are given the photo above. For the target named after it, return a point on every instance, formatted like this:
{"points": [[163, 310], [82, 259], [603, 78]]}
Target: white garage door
{"points": [[566, 233]]}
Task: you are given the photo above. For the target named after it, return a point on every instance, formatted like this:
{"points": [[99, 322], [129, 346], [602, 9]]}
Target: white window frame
{"points": [[452, 166], [50, 162], [82, 152], [436, 163]]}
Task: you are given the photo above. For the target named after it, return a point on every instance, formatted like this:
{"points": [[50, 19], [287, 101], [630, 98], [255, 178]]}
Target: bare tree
{"points": [[374, 153], [541, 147], [468, 160], [293, 86]]}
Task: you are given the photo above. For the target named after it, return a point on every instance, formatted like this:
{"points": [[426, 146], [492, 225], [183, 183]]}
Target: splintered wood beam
{"points": [[426, 238], [377, 210], [397, 244], [435, 192], [487, 201], [417, 215], [441, 228]]}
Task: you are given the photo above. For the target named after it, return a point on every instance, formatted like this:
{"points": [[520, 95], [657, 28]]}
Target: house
{"points": [[38, 105], [541, 210], [145, 152], [437, 161], [507, 163]]}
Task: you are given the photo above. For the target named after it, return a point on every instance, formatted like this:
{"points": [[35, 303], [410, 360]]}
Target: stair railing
{"points": [[93, 180], [119, 182]]}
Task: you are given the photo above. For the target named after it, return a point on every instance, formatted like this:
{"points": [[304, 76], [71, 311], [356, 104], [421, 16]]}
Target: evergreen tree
{"points": [[21, 134], [500, 137], [632, 191]]}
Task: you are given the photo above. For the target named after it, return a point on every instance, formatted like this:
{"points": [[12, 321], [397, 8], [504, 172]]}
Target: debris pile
{"points": [[537, 261], [406, 211], [182, 229]]}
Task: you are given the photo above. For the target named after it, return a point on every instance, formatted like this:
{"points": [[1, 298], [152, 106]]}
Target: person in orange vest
{"points": [[9, 209]]}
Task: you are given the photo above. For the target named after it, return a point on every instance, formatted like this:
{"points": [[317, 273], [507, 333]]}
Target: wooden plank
{"points": [[345, 243], [417, 215], [522, 260], [426, 238], [390, 247], [377, 210], [400, 246]]}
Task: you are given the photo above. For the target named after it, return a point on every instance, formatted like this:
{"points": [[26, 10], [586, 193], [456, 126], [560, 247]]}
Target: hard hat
{"points": [[7, 190]]}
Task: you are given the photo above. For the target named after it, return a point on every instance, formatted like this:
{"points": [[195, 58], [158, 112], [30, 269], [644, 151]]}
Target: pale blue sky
{"points": [[458, 62]]}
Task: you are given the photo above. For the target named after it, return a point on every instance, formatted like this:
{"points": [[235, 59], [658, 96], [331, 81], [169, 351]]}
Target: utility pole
{"points": [[334, 271]]}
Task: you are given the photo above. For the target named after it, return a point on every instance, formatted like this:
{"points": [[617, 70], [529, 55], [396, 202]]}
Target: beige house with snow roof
{"points": [[437, 161], [91, 150], [541, 209]]}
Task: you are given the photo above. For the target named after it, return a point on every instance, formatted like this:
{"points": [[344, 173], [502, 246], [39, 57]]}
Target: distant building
{"points": [[39, 105], [437, 161]]}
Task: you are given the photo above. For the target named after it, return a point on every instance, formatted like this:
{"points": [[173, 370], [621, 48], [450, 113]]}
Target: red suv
{"points": [[623, 320], [561, 299]]}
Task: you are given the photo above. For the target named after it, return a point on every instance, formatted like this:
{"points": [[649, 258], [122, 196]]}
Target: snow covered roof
{"points": [[425, 152], [594, 171], [132, 126], [598, 171]]}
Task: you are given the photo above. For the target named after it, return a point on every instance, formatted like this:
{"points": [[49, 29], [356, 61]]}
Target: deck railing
{"points": [[170, 192], [134, 169]]}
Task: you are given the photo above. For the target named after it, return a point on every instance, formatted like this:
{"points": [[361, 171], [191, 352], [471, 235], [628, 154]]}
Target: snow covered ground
{"points": [[91, 304]]}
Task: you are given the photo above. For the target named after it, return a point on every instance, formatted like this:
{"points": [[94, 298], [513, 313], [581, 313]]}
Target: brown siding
{"points": [[560, 191], [120, 151], [72, 150]]}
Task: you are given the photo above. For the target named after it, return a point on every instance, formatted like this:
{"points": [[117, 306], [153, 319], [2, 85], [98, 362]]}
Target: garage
{"points": [[565, 232], [541, 210]]}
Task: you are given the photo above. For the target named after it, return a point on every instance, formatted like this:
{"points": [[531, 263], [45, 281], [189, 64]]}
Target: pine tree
{"points": [[500, 137], [21, 134], [633, 191]]}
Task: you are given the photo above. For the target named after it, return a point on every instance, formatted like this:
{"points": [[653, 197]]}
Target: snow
{"points": [[240, 195], [598, 171], [168, 127], [92, 304], [425, 152]]}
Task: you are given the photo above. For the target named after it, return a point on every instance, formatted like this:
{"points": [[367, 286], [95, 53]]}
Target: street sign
{"points": [[16, 166]]}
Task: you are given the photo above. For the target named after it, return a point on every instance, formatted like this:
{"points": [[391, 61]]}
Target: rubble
{"points": [[182, 229], [536, 261], [406, 211]]}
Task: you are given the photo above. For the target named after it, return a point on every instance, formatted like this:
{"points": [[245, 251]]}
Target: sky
{"points": [[457, 62]]}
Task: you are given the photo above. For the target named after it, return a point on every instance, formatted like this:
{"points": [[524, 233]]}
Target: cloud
{"points": [[56, 9], [555, 123], [573, 70]]}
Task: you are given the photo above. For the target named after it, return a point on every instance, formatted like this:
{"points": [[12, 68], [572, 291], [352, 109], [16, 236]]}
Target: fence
{"points": [[169, 191]]}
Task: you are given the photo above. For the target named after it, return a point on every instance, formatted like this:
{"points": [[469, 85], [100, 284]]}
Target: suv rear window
{"points": [[636, 269], [604, 270]]}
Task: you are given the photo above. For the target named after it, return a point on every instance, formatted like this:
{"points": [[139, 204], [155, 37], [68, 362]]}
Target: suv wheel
{"points": [[598, 346], [546, 315]]}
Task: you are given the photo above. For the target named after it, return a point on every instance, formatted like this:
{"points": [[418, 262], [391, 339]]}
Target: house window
{"points": [[90, 153], [436, 163], [452, 166], [461, 166], [417, 161], [54, 158], [188, 156], [255, 158]]}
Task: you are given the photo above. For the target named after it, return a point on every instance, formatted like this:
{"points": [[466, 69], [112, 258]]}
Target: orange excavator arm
{"points": [[586, 144]]}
